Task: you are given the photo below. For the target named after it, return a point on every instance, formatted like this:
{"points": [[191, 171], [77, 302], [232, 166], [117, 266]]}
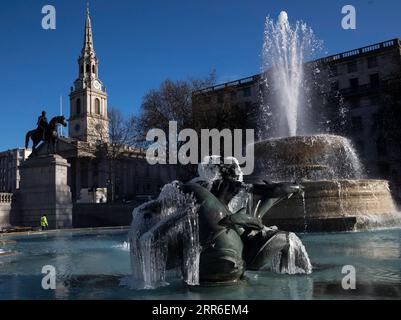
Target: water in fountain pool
{"points": [[93, 265]]}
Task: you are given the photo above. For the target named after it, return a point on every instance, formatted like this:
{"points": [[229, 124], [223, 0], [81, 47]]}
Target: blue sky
{"points": [[140, 43]]}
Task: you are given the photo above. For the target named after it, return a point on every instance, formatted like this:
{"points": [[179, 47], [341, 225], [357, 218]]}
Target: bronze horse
{"points": [[51, 135]]}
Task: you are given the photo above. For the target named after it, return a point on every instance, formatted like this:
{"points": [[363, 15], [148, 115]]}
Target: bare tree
{"points": [[171, 102], [122, 133]]}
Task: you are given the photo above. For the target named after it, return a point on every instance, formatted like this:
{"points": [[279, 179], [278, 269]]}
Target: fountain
{"points": [[209, 230], [336, 196], [214, 228]]}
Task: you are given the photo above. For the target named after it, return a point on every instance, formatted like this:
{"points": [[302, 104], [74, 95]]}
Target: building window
{"points": [[355, 103], [381, 146], [384, 169], [374, 80], [88, 68], [333, 71], [82, 69], [233, 95], [360, 147], [247, 92], [93, 70], [335, 86], [352, 67], [78, 106], [357, 124], [354, 84], [375, 100], [97, 106], [220, 98], [394, 176], [372, 62], [206, 99]]}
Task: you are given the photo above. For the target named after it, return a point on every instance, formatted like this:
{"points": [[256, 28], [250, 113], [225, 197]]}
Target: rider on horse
{"points": [[42, 123], [46, 132]]}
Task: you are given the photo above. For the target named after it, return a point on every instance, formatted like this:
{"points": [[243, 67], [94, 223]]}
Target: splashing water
{"points": [[158, 226], [305, 212], [123, 246], [297, 260], [285, 49]]}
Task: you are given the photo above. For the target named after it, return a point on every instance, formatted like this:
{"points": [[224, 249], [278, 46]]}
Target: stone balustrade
{"points": [[6, 197]]}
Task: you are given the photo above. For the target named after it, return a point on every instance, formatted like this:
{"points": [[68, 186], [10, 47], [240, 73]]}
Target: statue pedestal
{"points": [[44, 191]]}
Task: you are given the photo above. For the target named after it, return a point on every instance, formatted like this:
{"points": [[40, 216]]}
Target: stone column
{"points": [[90, 174], [77, 179], [44, 190]]}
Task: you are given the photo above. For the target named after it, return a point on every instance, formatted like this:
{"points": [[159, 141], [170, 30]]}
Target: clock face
{"points": [[97, 85]]}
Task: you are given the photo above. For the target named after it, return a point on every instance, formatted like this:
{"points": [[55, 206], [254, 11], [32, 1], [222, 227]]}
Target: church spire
{"points": [[88, 97], [88, 40]]}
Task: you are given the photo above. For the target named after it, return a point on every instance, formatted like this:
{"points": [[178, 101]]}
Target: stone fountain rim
{"points": [[345, 180], [335, 181], [301, 138]]}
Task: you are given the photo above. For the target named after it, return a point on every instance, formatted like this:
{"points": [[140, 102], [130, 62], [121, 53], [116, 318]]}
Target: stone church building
{"points": [[95, 163]]}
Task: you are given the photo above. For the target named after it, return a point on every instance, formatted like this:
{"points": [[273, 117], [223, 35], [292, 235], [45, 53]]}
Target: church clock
{"points": [[97, 85]]}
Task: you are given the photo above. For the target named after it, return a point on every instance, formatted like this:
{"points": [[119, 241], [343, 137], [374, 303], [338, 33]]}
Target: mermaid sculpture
{"points": [[211, 229]]}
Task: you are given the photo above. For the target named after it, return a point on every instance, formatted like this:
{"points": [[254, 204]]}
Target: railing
{"points": [[229, 84], [6, 197], [339, 56], [356, 52]]}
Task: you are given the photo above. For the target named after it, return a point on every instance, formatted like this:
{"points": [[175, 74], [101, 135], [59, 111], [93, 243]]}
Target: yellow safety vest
{"points": [[43, 222]]}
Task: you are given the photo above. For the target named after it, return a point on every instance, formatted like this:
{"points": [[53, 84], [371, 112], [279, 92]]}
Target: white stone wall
{"points": [[5, 209], [9, 172]]}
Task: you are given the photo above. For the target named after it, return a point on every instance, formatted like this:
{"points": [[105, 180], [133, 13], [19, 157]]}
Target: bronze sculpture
{"points": [[46, 132], [231, 238]]}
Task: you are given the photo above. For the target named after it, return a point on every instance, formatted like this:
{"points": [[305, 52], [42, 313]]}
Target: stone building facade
{"points": [[367, 82], [10, 160]]}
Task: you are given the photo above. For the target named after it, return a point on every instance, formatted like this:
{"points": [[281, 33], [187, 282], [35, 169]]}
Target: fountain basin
{"points": [[337, 205], [307, 147], [318, 157], [336, 196]]}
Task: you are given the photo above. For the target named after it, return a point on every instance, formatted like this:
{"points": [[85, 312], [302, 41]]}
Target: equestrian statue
{"points": [[45, 132]]}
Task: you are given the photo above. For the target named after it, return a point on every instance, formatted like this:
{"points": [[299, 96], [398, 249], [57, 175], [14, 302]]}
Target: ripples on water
{"points": [[94, 266]]}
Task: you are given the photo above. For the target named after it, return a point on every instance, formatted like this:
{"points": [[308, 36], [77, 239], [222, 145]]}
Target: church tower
{"points": [[88, 98]]}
